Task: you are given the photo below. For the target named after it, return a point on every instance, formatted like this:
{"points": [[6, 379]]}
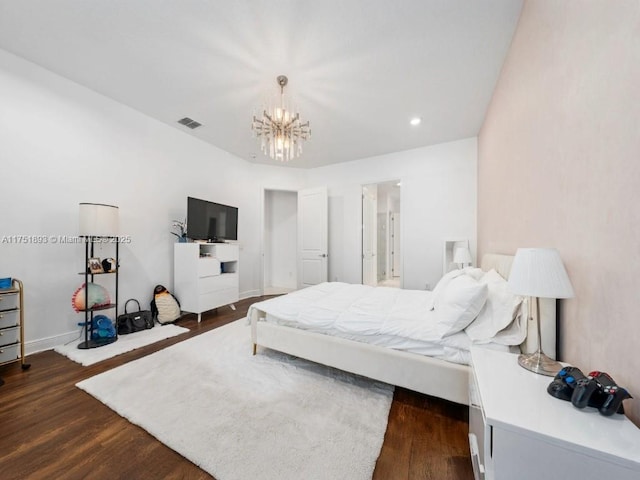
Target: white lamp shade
{"points": [[539, 272], [462, 255], [98, 220]]}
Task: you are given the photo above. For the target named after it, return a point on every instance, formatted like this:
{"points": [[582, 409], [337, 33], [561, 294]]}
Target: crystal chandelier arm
{"points": [[294, 120]]}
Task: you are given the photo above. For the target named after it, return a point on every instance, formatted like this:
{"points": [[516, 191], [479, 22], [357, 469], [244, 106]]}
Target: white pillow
{"points": [[459, 304], [515, 333], [441, 286], [473, 272], [498, 312]]}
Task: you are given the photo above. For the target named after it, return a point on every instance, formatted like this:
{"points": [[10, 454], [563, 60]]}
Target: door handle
{"points": [[323, 255]]}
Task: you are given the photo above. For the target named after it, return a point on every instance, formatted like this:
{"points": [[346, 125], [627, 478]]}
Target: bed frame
{"points": [[422, 374]]}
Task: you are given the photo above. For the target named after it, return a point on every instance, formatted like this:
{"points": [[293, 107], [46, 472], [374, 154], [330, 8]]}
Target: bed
{"points": [[401, 363]]}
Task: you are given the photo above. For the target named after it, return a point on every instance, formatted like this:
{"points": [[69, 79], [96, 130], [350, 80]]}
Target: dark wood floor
{"points": [[49, 429]]}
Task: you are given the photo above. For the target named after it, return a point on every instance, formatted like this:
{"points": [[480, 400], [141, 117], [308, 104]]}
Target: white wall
{"points": [[280, 240], [438, 201], [62, 144]]}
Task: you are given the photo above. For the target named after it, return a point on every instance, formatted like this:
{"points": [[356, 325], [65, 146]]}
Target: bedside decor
{"points": [[539, 272], [462, 256], [280, 129]]}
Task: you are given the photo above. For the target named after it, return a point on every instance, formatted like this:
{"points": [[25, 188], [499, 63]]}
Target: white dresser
{"points": [[206, 275], [520, 432]]}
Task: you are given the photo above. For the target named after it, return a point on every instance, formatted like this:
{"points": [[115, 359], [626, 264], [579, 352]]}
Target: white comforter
{"points": [[361, 311]]}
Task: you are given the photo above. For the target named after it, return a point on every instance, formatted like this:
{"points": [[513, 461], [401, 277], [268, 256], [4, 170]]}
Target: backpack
{"points": [[165, 308]]}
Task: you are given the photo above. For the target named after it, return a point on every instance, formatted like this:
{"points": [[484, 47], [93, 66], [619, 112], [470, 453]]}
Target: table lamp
{"points": [[461, 255], [539, 273]]}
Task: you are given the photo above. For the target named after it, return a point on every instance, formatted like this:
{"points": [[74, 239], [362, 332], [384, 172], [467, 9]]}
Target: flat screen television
{"points": [[211, 221]]}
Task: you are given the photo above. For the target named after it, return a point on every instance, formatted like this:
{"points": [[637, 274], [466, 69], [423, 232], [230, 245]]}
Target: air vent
{"points": [[188, 122]]}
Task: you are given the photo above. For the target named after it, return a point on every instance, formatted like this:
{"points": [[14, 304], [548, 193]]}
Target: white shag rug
{"points": [[125, 343], [239, 416]]}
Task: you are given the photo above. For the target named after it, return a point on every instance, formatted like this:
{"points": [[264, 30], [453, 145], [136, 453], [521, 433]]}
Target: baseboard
{"points": [[277, 290], [249, 294], [42, 344]]}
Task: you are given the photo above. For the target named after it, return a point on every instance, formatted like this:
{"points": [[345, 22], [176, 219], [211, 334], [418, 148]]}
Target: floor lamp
{"points": [[539, 272]]}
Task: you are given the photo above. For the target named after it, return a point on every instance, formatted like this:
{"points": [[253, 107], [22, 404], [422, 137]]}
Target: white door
{"points": [[395, 244], [313, 236], [369, 235]]}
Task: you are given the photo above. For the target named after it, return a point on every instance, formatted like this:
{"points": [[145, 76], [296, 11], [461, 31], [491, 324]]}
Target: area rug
{"points": [[239, 416], [125, 343]]}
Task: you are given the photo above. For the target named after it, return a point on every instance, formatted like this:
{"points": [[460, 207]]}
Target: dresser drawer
{"points": [[9, 353], [218, 282], [10, 318], [209, 301], [208, 266], [478, 432], [226, 252], [9, 335], [8, 301], [476, 458]]}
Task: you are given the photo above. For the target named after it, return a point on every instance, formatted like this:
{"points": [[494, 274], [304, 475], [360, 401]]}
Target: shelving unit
{"points": [[12, 324], [206, 276], [90, 342]]}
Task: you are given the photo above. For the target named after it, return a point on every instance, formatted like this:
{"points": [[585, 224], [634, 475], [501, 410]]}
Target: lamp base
{"points": [[539, 363]]}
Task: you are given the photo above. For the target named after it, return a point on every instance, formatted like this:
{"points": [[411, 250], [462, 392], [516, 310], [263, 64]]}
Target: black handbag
{"points": [[134, 321]]}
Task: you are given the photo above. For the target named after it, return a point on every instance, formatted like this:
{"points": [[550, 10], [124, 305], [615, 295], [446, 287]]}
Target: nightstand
{"points": [[519, 431]]}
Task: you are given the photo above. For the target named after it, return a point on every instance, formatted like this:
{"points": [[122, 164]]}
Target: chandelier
{"points": [[280, 129]]}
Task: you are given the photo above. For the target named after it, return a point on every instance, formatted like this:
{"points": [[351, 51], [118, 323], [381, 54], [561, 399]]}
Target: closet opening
{"points": [[280, 242]]}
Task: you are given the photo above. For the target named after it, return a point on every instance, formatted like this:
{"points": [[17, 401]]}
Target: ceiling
{"points": [[358, 70]]}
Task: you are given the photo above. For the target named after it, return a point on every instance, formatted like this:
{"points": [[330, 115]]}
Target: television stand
{"points": [[206, 276]]}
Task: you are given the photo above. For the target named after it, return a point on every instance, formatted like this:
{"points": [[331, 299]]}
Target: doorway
{"points": [[280, 242], [381, 234]]}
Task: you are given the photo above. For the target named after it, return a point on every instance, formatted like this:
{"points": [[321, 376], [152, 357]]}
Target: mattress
{"points": [[381, 316]]}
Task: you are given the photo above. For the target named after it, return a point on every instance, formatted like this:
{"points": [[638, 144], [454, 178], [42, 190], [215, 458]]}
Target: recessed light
{"points": [[415, 121]]}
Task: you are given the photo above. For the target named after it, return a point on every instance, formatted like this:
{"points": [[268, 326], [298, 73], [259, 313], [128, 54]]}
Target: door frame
{"points": [[373, 235], [263, 205], [400, 180]]}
